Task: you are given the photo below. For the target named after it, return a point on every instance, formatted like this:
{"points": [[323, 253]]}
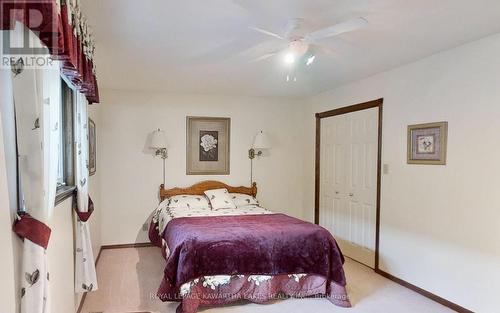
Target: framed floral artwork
{"points": [[207, 145], [427, 143]]}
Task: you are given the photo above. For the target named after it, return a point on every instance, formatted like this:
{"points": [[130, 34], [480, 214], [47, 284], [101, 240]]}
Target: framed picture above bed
{"points": [[427, 143], [207, 145]]}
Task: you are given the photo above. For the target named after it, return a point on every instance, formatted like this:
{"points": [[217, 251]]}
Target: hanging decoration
{"points": [[64, 30]]}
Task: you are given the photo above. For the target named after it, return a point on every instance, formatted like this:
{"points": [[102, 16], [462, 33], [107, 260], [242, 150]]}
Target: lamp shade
{"points": [[261, 141], [159, 140]]}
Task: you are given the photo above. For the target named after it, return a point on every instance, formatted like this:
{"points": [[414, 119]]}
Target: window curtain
{"points": [[36, 94], [85, 273]]}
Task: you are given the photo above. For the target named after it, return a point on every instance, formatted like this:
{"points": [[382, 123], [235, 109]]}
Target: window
{"points": [[65, 175]]}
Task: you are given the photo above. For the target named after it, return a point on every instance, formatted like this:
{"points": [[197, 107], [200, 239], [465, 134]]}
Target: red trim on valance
{"points": [[56, 32], [32, 229], [84, 216], [45, 24]]}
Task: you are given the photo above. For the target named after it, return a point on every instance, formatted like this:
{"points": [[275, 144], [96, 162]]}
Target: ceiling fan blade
{"points": [[323, 50], [337, 29], [266, 32], [221, 53], [264, 57]]}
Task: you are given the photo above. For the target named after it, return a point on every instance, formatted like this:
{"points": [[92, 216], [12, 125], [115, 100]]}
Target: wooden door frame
{"points": [[344, 110]]}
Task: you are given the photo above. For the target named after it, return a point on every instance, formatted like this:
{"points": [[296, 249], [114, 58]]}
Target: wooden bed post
{"points": [[254, 189]]}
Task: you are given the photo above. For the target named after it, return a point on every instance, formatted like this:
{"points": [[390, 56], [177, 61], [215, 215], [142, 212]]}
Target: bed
{"points": [[219, 256]]}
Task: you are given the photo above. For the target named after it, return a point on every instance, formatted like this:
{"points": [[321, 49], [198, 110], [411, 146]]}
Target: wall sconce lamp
{"points": [[261, 142], [159, 143]]}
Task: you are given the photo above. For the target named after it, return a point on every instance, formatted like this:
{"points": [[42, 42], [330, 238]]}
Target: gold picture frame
{"points": [[427, 143], [207, 145], [92, 148]]}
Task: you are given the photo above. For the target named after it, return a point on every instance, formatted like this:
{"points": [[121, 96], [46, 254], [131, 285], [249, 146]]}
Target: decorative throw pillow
{"points": [[241, 199], [188, 202], [219, 199]]}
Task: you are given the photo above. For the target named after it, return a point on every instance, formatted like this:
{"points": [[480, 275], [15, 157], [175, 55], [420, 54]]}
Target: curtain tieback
{"points": [[84, 216], [32, 229]]}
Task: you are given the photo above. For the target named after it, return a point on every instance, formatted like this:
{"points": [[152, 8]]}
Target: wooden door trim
{"points": [[425, 293], [344, 110]]}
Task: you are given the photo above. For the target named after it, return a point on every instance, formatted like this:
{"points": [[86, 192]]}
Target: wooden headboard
{"points": [[201, 187]]}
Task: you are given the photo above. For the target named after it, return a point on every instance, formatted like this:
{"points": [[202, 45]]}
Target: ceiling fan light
{"points": [[310, 60], [289, 58]]}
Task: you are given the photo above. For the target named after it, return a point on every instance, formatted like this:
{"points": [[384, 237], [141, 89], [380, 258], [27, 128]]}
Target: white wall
{"points": [[440, 225], [131, 175]]}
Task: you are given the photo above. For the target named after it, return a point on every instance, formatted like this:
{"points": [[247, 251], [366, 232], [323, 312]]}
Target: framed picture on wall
{"points": [[207, 145], [92, 148], [427, 143]]}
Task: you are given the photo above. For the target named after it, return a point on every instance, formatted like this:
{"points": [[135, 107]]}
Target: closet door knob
{"points": [[336, 192], [351, 194]]}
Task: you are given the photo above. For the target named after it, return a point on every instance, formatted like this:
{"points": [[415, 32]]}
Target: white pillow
{"points": [[219, 199], [188, 202], [241, 199]]}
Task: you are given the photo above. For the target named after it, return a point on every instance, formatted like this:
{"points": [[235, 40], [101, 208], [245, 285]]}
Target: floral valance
{"points": [[63, 28]]}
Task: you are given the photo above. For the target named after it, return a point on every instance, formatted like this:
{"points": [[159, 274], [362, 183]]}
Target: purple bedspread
{"points": [[247, 244]]}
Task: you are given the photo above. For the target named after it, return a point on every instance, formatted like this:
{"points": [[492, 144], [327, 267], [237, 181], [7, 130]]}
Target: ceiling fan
{"points": [[301, 45]]}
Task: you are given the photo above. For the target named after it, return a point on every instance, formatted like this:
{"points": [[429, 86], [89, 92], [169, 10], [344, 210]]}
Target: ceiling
{"points": [[206, 46]]}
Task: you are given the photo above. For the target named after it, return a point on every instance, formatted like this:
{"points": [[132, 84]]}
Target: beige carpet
{"points": [[128, 279]]}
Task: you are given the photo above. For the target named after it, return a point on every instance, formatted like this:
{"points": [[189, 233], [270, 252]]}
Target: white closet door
{"points": [[348, 182]]}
